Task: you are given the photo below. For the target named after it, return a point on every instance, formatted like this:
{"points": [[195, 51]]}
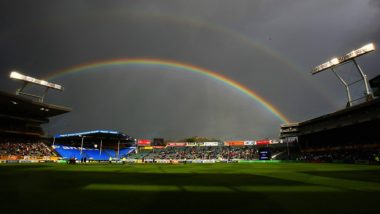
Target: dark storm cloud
{"points": [[269, 46], [375, 3]]}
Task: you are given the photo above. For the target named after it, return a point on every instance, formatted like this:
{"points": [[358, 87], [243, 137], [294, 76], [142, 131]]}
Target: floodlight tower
{"points": [[347, 58], [30, 80]]}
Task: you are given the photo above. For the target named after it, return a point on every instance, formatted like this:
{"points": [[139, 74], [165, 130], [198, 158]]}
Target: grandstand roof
{"points": [[96, 134], [21, 107], [364, 112]]}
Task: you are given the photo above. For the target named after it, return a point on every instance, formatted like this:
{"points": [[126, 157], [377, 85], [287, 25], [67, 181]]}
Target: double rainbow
{"points": [[179, 65]]}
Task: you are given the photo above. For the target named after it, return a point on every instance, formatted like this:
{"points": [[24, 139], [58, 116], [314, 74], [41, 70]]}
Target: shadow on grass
{"points": [[63, 180], [50, 191]]}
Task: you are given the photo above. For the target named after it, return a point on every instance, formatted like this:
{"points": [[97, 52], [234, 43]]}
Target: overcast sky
{"points": [[269, 46]]}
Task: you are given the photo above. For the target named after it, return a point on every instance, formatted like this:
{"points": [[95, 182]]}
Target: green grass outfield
{"points": [[189, 188]]}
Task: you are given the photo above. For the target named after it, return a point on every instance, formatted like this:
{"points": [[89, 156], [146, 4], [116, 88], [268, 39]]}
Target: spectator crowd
{"points": [[24, 147], [205, 153], [346, 156]]}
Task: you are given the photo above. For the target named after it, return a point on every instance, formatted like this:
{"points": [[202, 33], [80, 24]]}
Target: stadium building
{"points": [[351, 129], [348, 135], [21, 134]]}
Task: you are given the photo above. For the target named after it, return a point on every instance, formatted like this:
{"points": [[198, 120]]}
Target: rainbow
{"points": [[179, 65]]}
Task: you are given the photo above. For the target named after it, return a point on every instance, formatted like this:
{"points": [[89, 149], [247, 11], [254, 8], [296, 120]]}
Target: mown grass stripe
{"points": [[195, 188]]}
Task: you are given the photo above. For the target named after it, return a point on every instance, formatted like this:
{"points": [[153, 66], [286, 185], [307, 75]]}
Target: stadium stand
{"points": [[112, 144], [21, 134], [23, 116], [348, 135], [220, 152], [67, 152], [342, 155]]}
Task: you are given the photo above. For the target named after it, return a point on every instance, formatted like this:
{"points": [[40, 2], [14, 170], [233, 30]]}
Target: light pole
{"points": [[347, 58], [81, 146]]}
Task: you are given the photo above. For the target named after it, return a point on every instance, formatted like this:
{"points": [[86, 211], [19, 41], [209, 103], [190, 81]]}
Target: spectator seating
{"points": [[68, 152], [24, 147]]}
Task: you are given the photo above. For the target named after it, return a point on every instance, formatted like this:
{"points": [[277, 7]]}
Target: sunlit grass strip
{"points": [[302, 188], [188, 188], [207, 189], [327, 181]]}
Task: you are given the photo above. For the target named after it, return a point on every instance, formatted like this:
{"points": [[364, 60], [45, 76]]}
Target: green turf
{"points": [[189, 188]]}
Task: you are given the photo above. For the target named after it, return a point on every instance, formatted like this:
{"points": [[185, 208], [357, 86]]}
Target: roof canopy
{"points": [[18, 106], [96, 134]]}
